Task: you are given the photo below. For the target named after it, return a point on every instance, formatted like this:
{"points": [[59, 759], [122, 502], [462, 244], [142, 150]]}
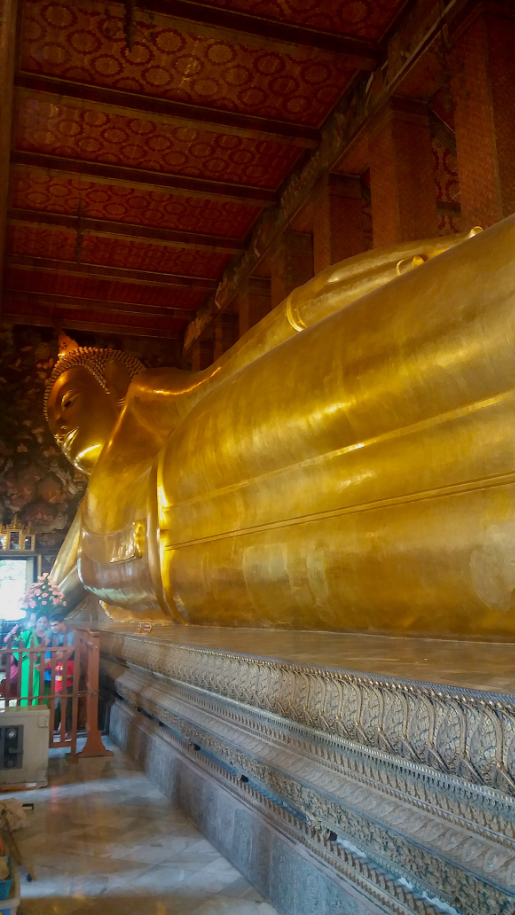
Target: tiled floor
{"points": [[103, 840]]}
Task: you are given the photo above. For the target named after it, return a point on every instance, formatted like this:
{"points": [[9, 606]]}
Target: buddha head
{"points": [[84, 398]]}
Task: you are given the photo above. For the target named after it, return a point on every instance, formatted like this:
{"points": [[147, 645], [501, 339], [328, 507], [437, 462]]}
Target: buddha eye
{"points": [[69, 398]]}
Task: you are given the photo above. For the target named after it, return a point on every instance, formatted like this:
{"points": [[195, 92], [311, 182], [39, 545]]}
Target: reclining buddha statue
{"points": [[348, 465]]}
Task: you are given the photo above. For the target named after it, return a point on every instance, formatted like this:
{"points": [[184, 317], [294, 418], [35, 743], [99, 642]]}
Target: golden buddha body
{"points": [[348, 464]]}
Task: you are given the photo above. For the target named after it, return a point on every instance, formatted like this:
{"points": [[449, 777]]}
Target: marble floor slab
{"points": [[102, 840]]}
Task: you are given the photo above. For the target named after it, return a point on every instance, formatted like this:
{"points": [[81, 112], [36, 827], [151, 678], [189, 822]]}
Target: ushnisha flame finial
{"points": [[66, 345]]}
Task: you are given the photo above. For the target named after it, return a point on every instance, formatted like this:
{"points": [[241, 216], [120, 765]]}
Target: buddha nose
{"points": [[61, 425]]}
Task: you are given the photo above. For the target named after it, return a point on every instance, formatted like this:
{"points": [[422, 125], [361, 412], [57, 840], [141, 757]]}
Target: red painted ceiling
{"points": [[100, 136], [85, 42], [36, 189], [367, 19], [137, 171]]}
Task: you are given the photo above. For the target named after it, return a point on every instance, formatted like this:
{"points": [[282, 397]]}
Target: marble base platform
{"points": [[332, 771]]}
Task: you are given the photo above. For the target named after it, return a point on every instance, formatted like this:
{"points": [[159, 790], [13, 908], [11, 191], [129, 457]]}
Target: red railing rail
{"points": [[33, 676]]}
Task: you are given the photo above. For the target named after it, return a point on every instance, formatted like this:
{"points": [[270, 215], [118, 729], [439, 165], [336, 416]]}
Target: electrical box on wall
{"points": [[24, 746]]}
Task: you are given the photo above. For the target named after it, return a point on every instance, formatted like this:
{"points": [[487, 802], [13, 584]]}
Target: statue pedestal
{"points": [[340, 773]]}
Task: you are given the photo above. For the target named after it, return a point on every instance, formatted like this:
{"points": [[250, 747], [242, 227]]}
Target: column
{"points": [[291, 264], [484, 98], [226, 333], [254, 302], [202, 354], [337, 221], [402, 183]]}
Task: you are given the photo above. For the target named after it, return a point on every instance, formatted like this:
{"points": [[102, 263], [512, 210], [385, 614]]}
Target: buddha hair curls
{"points": [[94, 360]]}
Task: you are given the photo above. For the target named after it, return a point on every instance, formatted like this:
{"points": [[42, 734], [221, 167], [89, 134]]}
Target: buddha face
{"points": [[81, 416]]}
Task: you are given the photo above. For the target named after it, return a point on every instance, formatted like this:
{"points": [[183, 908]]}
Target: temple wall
{"points": [[37, 482], [434, 155]]}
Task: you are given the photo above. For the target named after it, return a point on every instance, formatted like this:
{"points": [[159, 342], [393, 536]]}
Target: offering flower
{"points": [[43, 594]]}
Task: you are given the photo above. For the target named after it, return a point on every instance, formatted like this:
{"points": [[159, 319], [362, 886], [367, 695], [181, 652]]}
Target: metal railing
{"points": [[59, 677]]}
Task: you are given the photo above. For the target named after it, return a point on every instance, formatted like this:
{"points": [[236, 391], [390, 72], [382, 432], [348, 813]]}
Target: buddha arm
{"points": [[118, 545], [64, 571], [159, 399]]}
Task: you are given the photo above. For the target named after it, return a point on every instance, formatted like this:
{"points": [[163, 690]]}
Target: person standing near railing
{"points": [[60, 636], [28, 623], [31, 638], [10, 685]]}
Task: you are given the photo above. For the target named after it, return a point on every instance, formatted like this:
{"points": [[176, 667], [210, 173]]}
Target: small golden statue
{"points": [[348, 464]]}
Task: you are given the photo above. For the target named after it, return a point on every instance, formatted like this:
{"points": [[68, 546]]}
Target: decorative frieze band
{"points": [[445, 844], [392, 895], [466, 733]]}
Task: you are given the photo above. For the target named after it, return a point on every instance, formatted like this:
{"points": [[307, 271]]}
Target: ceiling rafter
{"points": [[134, 177], [111, 229], [185, 113], [267, 140], [50, 300], [116, 274], [359, 54], [8, 32], [94, 326]]}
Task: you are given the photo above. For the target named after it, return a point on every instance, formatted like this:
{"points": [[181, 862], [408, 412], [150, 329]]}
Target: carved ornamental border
{"points": [[463, 732], [382, 888], [459, 851]]}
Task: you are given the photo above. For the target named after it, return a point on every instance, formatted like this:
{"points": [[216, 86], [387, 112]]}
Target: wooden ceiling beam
{"points": [[185, 113], [107, 228], [16, 299], [8, 41], [95, 326], [360, 55], [139, 177], [116, 274]]}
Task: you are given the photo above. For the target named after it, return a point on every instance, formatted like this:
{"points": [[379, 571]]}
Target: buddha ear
{"points": [[117, 378]]}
